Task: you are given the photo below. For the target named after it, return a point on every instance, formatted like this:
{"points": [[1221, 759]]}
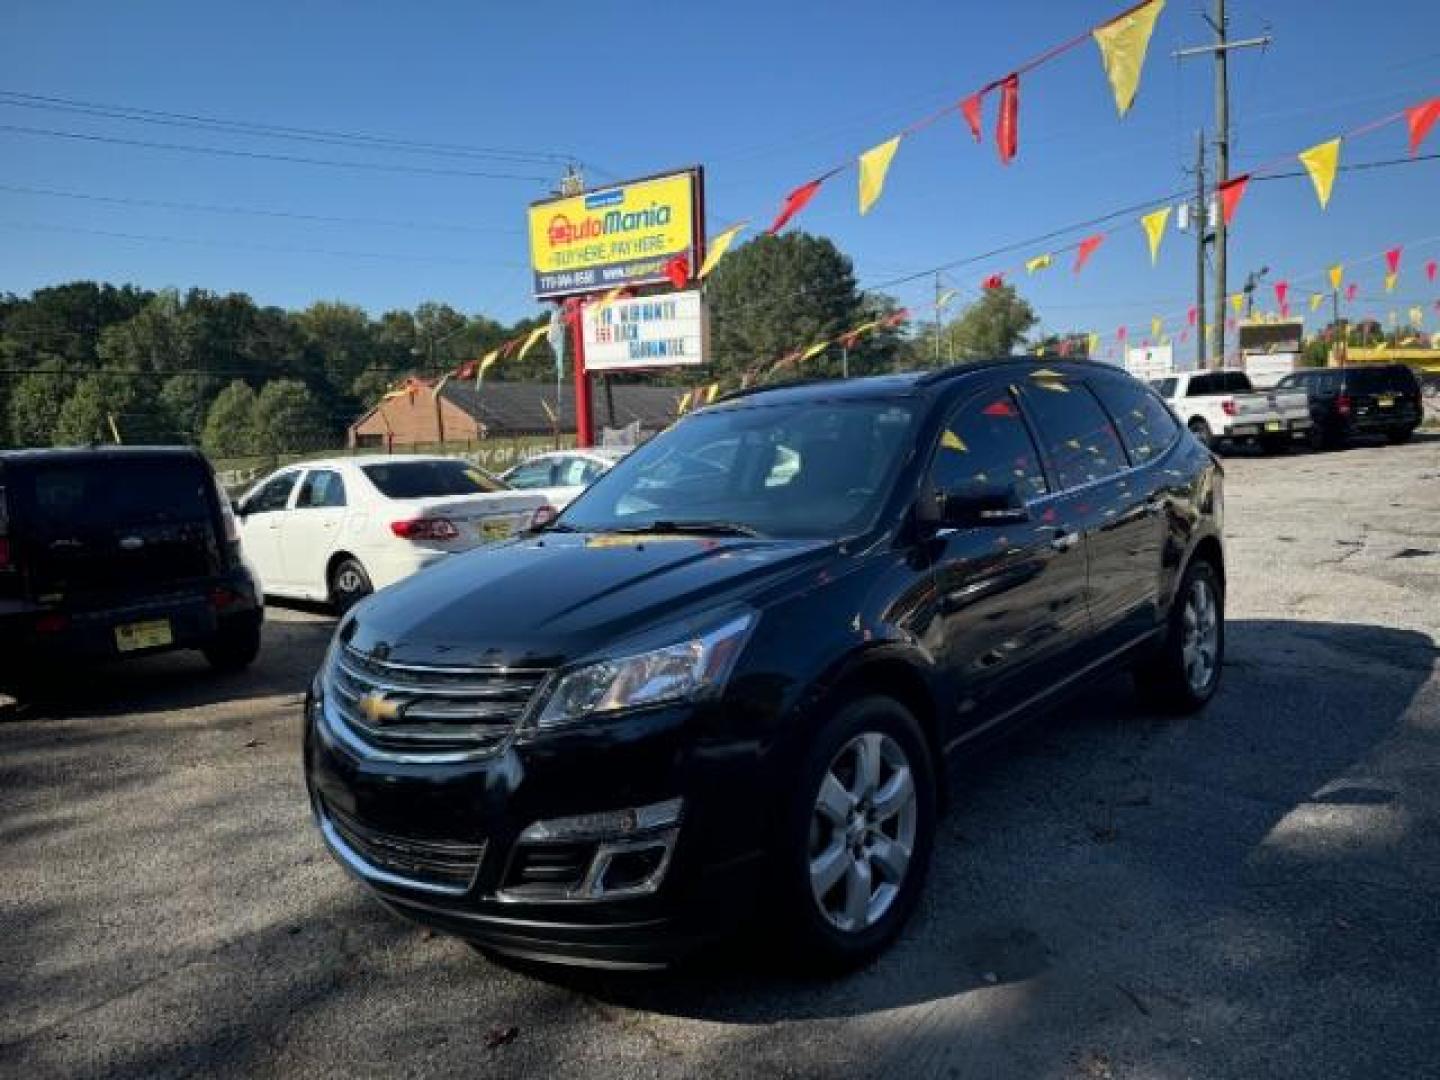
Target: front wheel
{"points": [[1185, 672], [861, 825]]}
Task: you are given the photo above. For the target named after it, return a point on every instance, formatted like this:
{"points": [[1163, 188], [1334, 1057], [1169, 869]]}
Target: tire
{"points": [[349, 584], [1399, 435], [1201, 430], [1317, 438], [1177, 678], [821, 844], [235, 647]]}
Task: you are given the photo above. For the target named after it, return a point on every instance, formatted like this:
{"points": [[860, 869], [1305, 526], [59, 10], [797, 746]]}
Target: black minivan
{"points": [[725, 681], [114, 552]]}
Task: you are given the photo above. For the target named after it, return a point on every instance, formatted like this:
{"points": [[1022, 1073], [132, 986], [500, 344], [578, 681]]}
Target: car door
{"points": [[262, 516], [1009, 599], [311, 531], [1098, 498], [1149, 498]]}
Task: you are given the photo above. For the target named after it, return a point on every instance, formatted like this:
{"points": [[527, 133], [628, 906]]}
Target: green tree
{"points": [[991, 327], [186, 399], [230, 427], [35, 403], [288, 419], [775, 294]]}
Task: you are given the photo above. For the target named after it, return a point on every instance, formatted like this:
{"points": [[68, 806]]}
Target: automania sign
{"points": [[622, 235], [648, 332]]}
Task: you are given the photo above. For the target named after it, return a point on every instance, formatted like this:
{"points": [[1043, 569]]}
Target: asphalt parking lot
{"points": [[1254, 891]]}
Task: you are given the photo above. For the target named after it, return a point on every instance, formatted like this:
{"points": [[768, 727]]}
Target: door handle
{"points": [[1064, 539]]}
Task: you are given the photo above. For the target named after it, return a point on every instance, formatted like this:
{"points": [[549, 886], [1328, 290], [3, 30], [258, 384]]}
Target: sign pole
{"points": [[584, 414]]}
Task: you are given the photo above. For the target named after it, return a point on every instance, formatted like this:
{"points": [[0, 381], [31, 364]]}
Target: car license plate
{"points": [[143, 635], [1274, 425], [1386, 402], [496, 529]]}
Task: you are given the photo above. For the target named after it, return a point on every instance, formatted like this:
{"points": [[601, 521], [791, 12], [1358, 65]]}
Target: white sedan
{"points": [[337, 530], [560, 475]]}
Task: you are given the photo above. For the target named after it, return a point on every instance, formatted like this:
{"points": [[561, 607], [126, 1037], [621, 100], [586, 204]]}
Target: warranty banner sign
{"points": [[647, 332], [621, 235]]}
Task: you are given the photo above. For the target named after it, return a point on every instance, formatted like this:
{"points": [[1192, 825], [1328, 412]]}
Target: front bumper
{"points": [[446, 845]]}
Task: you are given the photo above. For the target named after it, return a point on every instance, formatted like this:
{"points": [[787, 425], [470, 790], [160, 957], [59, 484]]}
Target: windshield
{"points": [[425, 479], [812, 469]]}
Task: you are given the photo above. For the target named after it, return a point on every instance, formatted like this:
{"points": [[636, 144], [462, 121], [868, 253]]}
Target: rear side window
{"points": [[986, 441], [103, 493], [533, 474], [1381, 380], [1145, 424], [1074, 431], [1201, 385], [427, 479], [1237, 382], [322, 488]]}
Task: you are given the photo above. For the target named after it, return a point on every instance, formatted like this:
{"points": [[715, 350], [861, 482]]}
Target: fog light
{"points": [[607, 824]]}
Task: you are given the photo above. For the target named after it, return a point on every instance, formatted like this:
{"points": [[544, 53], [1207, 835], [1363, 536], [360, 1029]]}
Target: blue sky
{"points": [[764, 95]]}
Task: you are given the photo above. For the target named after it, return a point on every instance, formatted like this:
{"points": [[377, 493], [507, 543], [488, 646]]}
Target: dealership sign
{"points": [[647, 332], [622, 235]]}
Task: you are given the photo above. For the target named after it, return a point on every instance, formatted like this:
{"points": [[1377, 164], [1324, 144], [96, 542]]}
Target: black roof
{"points": [[905, 382], [98, 452]]}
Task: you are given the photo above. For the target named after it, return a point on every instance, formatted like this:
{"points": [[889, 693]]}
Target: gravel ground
{"points": [[1251, 891]]}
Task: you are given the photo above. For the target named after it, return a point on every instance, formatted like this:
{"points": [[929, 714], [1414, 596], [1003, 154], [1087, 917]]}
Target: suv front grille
{"points": [[444, 865], [408, 708]]}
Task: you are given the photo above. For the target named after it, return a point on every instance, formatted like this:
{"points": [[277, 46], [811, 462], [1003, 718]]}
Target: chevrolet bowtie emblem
{"points": [[378, 709]]}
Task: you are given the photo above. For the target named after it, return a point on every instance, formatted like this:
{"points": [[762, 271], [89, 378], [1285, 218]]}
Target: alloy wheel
{"points": [[862, 831], [1200, 642]]}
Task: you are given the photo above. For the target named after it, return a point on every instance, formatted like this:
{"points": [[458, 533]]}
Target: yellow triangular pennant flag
{"points": [[1321, 161], [1154, 224], [1417, 316], [718, 246], [535, 335], [1155, 324], [1390, 280], [1316, 299], [486, 362], [943, 299], [1039, 262], [815, 350], [1122, 50], [951, 441], [684, 402], [1337, 275], [606, 300], [1094, 342], [712, 392], [874, 164], [1237, 301]]}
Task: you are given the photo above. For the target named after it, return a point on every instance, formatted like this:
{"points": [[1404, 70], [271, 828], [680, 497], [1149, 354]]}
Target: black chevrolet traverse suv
{"points": [[114, 552], [1370, 399], [726, 679]]}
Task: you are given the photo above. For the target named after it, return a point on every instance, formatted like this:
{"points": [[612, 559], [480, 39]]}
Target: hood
{"points": [[548, 600]]}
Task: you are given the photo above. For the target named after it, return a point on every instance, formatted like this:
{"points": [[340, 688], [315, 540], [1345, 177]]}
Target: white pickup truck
{"points": [[1221, 407]]}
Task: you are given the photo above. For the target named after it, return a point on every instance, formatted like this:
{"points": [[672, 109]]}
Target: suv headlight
{"points": [[686, 670]]}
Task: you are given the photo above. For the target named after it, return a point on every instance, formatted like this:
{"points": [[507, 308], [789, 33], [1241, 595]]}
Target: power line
{"points": [[374, 166], [212, 208], [20, 99]]}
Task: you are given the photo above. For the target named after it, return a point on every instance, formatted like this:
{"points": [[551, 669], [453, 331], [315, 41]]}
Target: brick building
{"points": [[503, 410]]}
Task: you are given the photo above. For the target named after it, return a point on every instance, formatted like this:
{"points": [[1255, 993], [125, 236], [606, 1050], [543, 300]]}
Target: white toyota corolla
{"points": [[337, 530]]}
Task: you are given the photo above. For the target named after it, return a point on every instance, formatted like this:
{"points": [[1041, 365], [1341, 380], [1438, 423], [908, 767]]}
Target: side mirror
{"points": [[982, 504]]}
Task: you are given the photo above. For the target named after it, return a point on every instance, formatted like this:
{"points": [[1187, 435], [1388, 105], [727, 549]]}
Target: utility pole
{"points": [[1200, 241], [937, 318], [1220, 49], [1341, 343]]}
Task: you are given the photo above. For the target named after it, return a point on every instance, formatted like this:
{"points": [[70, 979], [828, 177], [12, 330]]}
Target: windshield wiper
{"points": [[698, 528]]}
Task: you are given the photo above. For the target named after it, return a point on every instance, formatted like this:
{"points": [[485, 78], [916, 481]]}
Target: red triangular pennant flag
{"points": [[465, 371], [1392, 260], [794, 203], [1421, 119], [1007, 130], [898, 318], [1351, 290], [970, 109], [1230, 193], [1120, 334], [1086, 249], [1190, 317], [994, 281], [1430, 268], [1282, 288], [678, 271]]}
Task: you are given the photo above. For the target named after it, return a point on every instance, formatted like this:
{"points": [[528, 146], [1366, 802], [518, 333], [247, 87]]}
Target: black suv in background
{"points": [[727, 678], [114, 552], [1373, 399]]}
